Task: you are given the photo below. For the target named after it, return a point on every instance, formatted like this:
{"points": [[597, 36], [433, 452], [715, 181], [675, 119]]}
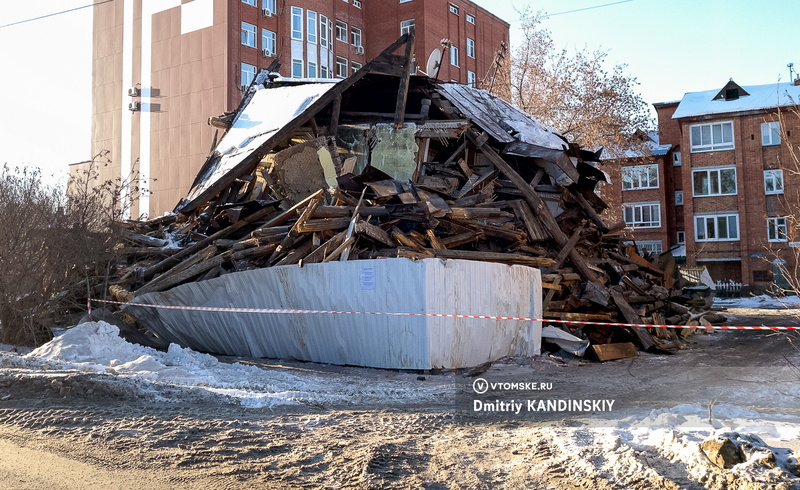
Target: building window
{"points": [[268, 41], [676, 159], [681, 237], [454, 56], [716, 227], [470, 48], [311, 27], [776, 230], [297, 23], [248, 74], [714, 182], [357, 4], [323, 72], [773, 181], [355, 66], [406, 26], [323, 31], [471, 19], [453, 9], [649, 246], [250, 2], [341, 67], [312, 69], [712, 137], [471, 78], [297, 68], [770, 133], [341, 31], [679, 198], [248, 34], [640, 177], [355, 36], [269, 5], [642, 214], [404, 1]]}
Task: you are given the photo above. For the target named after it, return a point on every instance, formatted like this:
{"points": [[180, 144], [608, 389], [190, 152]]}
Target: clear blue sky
{"points": [[670, 46]]}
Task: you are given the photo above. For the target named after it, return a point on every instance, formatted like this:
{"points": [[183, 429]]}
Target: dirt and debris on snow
{"points": [[184, 418]]}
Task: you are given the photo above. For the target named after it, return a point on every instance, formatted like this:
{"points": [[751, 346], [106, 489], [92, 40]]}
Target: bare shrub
{"points": [[53, 249]]}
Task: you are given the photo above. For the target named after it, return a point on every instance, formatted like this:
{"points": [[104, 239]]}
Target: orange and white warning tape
{"points": [[439, 315]]}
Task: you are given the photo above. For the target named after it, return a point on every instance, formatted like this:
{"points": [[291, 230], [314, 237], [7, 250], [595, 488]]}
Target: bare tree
{"points": [[576, 94]]}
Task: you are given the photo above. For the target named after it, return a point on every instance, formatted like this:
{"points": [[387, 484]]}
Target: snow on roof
{"points": [[760, 97]]}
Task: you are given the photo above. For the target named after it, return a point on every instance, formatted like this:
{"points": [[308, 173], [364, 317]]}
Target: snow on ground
{"points": [[764, 301], [97, 347]]}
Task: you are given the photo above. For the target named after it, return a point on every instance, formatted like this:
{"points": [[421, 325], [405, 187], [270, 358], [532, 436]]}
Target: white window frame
{"points": [[771, 133], [471, 48], [405, 1], [471, 78], [681, 236], [773, 182], [268, 40], [341, 67], [676, 159], [341, 31], [250, 2], [711, 171], [712, 136], [269, 5], [355, 66], [297, 68], [297, 23], [716, 219], [311, 26], [651, 246], [453, 9], [324, 72], [637, 177], [633, 213], [454, 56], [406, 26], [471, 19], [777, 230], [679, 198], [311, 69], [324, 38], [357, 4], [249, 35], [355, 36], [247, 74]]}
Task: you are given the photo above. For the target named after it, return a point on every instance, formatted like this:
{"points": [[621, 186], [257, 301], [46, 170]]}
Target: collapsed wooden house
{"points": [[312, 179]]}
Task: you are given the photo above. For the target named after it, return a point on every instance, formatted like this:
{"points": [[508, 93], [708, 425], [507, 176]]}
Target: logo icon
{"points": [[480, 386]]}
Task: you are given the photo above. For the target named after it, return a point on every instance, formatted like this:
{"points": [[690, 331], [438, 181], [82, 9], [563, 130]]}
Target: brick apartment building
{"points": [[719, 185], [162, 67]]}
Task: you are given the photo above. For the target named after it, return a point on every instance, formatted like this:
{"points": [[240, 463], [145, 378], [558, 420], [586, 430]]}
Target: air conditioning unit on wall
{"points": [[268, 53], [359, 49], [267, 13], [134, 106], [133, 92]]}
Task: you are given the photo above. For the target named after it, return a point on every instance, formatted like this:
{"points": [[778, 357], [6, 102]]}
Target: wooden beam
{"points": [[537, 205], [562, 255], [405, 79]]}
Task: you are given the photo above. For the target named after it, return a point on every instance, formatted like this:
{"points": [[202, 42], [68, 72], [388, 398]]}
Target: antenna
{"points": [[791, 70]]}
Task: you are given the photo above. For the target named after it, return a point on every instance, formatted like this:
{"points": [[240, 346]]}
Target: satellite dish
{"points": [[434, 63]]}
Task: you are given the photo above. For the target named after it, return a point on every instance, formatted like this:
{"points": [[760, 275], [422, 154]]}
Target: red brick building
{"points": [[161, 68], [723, 182]]}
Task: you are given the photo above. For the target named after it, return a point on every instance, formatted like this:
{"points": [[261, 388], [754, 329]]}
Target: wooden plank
{"points": [[461, 239], [143, 239], [294, 232], [622, 258], [323, 224], [610, 352], [340, 249], [588, 209], [549, 296], [536, 231], [435, 241], [374, 232], [550, 285], [579, 317], [631, 317], [478, 213], [505, 258], [537, 206], [320, 253], [405, 79], [566, 249]]}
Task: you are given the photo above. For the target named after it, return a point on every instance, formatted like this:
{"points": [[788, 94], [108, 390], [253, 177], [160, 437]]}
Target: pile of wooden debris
{"points": [[347, 172]]}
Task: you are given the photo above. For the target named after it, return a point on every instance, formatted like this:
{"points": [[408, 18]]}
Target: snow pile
{"points": [[764, 301], [97, 347]]}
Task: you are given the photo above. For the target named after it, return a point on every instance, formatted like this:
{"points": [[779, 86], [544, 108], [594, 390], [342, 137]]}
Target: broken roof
{"points": [[273, 110], [751, 98]]}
